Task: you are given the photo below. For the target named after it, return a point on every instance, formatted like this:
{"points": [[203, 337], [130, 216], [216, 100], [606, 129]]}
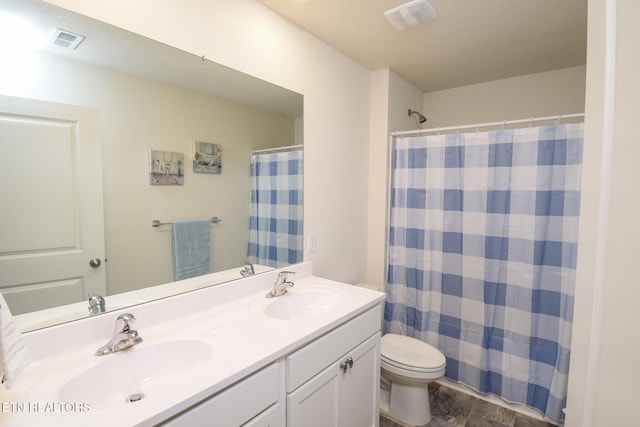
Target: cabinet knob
{"points": [[346, 364]]}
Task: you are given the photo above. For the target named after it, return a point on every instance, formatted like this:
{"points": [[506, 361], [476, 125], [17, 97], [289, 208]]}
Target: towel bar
{"points": [[157, 223]]}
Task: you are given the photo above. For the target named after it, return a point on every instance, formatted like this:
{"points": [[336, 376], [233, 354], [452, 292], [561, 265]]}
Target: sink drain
{"points": [[135, 397]]}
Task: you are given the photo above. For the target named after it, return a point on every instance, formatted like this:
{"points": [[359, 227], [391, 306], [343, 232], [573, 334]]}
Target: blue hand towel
{"points": [[191, 248]]}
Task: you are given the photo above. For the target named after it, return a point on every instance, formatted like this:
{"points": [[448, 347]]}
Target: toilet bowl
{"points": [[407, 366]]}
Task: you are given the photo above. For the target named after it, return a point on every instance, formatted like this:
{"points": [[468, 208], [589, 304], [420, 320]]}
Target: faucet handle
{"points": [[285, 274], [283, 280], [96, 304], [249, 267], [124, 319], [94, 297]]}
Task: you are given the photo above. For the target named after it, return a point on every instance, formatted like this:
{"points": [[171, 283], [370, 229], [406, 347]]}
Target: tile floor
{"points": [[452, 408]]}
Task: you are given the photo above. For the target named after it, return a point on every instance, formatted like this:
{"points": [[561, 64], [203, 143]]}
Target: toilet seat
{"points": [[410, 354], [391, 364]]}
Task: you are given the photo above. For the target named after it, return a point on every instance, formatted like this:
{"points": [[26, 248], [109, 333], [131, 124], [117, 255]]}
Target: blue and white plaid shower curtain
{"points": [[275, 223], [482, 256]]}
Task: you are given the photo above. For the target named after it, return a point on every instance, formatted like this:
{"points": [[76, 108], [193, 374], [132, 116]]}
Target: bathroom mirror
{"points": [[152, 97]]}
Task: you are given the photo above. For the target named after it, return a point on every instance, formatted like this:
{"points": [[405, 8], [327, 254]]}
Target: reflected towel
{"points": [[14, 355], [191, 248]]}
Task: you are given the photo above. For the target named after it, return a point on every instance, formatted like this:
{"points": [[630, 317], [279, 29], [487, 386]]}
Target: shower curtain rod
{"points": [[278, 150], [491, 124]]}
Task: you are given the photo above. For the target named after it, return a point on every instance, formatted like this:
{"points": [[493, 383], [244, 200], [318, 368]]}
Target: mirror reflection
{"points": [[117, 112]]}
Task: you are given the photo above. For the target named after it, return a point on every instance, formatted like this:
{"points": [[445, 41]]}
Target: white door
{"points": [[51, 219]]}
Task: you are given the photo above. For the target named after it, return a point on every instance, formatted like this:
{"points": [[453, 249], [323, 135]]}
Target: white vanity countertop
{"points": [[230, 317]]}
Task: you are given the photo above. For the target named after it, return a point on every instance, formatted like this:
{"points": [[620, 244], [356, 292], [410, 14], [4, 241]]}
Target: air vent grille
{"points": [[411, 14], [65, 39]]}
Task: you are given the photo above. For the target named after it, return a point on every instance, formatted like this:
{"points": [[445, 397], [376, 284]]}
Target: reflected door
{"points": [[51, 220]]}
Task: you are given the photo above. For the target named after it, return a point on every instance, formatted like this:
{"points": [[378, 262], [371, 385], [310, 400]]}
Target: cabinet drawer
{"points": [[313, 358], [269, 418], [235, 405]]}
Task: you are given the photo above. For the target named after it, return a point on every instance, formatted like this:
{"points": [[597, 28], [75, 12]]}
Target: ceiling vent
{"points": [[411, 14], [65, 39]]}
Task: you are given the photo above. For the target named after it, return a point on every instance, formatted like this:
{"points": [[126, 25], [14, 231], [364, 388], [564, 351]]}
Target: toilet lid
{"points": [[410, 352]]}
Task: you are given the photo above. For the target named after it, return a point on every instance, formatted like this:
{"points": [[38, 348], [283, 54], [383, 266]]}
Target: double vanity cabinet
{"points": [[328, 382], [307, 358]]}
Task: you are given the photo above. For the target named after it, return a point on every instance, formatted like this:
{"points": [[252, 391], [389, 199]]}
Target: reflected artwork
{"points": [[165, 168], [207, 157]]}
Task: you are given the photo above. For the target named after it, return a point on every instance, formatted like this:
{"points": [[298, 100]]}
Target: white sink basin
{"points": [[304, 303], [125, 377]]}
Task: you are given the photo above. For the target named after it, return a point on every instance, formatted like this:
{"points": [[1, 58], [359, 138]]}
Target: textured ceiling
{"points": [[114, 48], [472, 41]]}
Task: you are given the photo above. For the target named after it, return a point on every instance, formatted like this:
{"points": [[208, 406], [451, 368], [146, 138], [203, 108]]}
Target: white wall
{"points": [[245, 35], [377, 178], [138, 115], [391, 97], [532, 95], [604, 373]]}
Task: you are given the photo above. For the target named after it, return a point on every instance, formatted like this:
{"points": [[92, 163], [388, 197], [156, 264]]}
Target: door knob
{"points": [[95, 263]]}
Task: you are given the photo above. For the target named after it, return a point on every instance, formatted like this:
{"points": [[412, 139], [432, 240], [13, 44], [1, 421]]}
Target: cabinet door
{"points": [[315, 404], [343, 395], [360, 385]]}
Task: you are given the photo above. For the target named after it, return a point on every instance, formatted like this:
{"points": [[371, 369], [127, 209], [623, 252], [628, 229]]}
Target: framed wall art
{"points": [[166, 168], [207, 157]]}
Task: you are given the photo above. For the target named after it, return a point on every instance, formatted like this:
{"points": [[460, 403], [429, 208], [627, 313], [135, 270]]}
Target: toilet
{"points": [[407, 366]]}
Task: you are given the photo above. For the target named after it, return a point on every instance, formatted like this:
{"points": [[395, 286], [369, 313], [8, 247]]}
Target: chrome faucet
{"points": [[96, 304], [281, 285], [123, 338], [248, 270]]}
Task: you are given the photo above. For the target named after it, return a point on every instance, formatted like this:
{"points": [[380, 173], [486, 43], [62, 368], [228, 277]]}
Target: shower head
{"points": [[419, 116]]}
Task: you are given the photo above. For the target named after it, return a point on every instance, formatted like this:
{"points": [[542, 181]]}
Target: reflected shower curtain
{"points": [[482, 256], [275, 223]]}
